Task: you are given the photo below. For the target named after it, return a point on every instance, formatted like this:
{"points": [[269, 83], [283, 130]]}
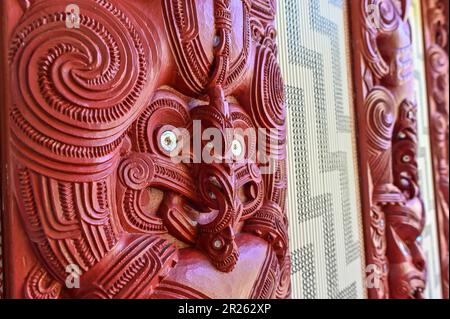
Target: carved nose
{"points": [[217, 183]]}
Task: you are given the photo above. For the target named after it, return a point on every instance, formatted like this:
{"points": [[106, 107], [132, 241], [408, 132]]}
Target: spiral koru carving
{"points": [[380, 119], [86, 84], [137, 172]]}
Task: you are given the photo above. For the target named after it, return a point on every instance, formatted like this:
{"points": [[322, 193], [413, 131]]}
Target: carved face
{"points": [[121, 95], [231, 110], [407, 273]]}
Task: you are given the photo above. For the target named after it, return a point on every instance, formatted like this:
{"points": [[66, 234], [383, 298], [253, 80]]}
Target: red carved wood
{"points": [[393, 212], [94, 113], [3, 122], [435, 14]]}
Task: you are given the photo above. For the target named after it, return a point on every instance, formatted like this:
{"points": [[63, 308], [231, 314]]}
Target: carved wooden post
{"points": [[3, 130], [101, 95], [435, 16], [392, 207]]}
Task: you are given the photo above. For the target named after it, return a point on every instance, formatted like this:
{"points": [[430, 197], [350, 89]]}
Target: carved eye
{"points": [[236, 148], [406, 159], [216, 41], [168, 141], [218, 244]]}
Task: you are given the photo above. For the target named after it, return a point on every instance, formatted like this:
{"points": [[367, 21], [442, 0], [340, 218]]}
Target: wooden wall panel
{"points": [[393, 210], [435, 16], [2, 155], [429, 238], [98, 94]]}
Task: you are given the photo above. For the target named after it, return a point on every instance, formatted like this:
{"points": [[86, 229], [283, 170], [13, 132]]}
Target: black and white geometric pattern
{"points": [[325, 234]]}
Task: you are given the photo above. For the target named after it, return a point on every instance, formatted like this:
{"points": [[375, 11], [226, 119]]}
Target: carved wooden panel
{"points": [[435, 15], [106, 178], [393, 210], [429, 236]]}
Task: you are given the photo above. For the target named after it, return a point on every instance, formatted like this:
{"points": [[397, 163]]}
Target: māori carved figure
{"points": [[397, 215], [96, 117]]}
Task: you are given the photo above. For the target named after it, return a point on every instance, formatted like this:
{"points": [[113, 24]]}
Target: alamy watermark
{"points": [[222, 146], [373, 277], [73, 276]]}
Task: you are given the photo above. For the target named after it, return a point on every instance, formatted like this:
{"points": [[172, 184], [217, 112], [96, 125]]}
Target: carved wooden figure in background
{"points": [[394, 214], [435, 13], [95, 117]]}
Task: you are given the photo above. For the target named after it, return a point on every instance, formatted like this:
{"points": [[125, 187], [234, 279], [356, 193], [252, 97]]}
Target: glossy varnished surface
{"points": [[90, 109]]}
